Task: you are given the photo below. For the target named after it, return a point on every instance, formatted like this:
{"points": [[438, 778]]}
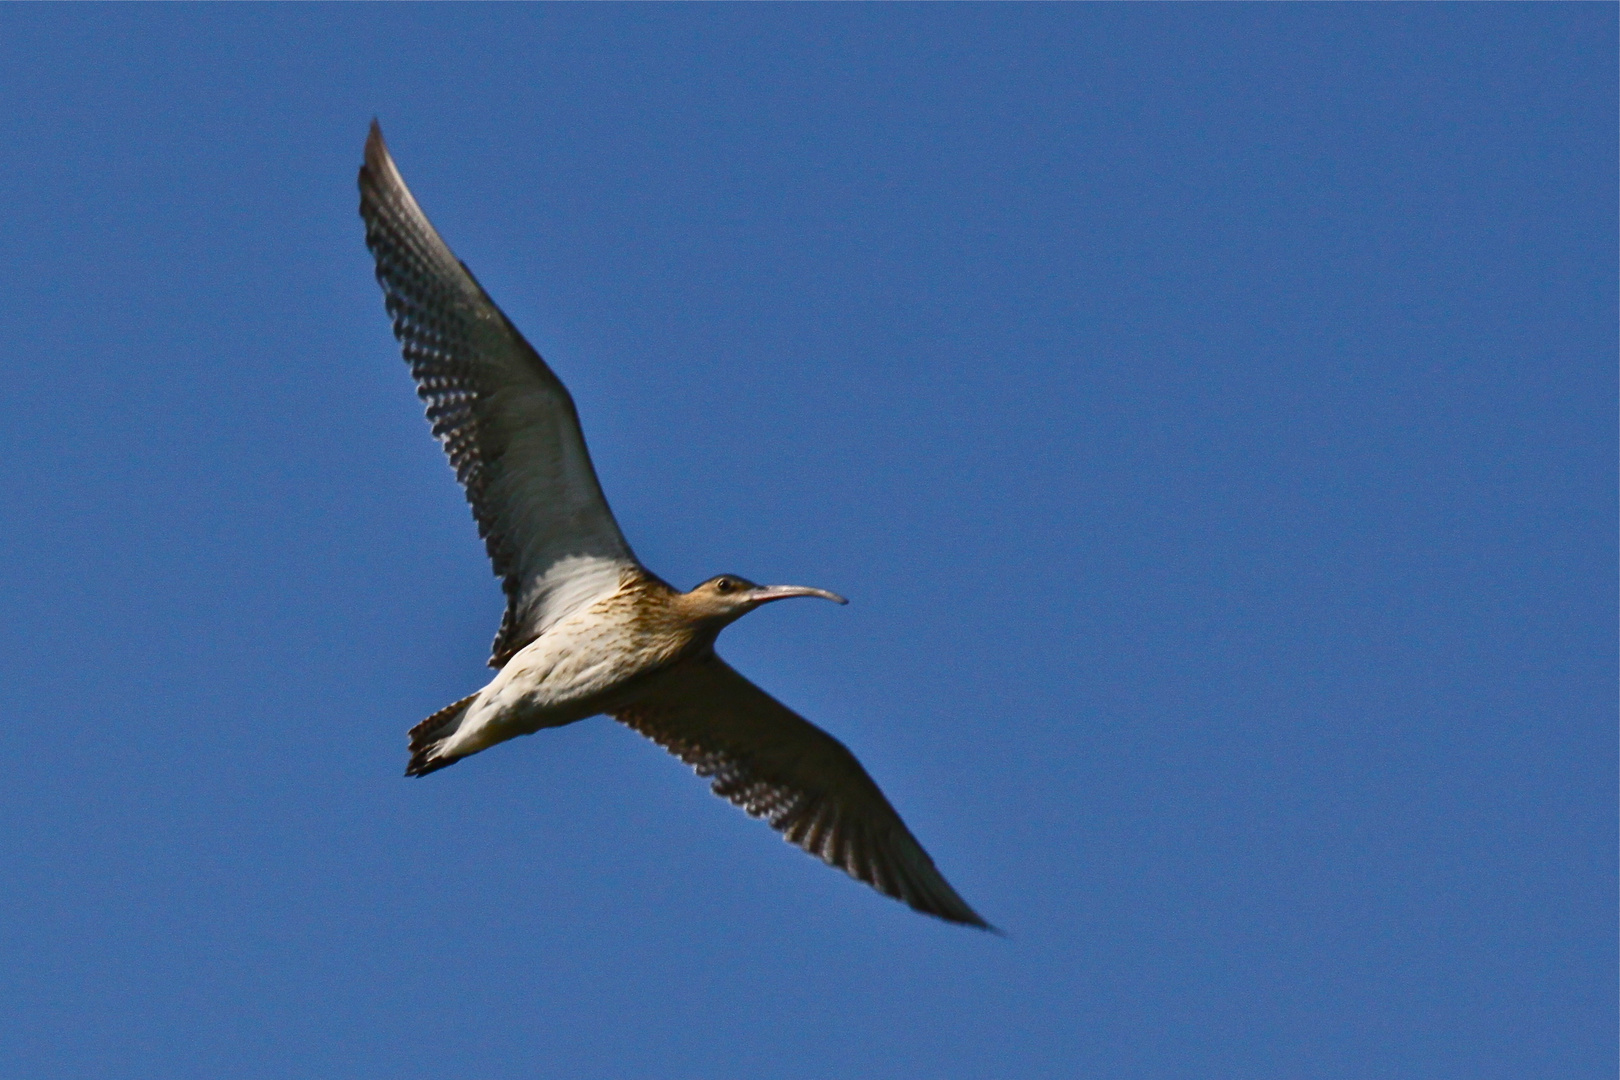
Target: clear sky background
{"points": [[1210, 412]]}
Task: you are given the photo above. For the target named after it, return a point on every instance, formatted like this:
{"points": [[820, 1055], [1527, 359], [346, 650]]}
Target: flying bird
{"points": [[588, 629]]}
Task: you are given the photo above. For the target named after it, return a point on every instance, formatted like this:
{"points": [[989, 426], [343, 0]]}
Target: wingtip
{"points": [[376, 147], [966, 916], [378, 174]]}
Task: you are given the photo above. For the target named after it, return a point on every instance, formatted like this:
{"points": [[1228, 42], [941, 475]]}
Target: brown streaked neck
{"points": [[661, 610]]}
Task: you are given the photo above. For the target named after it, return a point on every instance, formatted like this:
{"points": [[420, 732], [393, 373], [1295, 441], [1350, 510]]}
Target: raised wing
{"points": [[506, 421], [778, 766]]}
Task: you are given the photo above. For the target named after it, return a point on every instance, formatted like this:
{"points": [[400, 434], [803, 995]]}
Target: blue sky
{"points": [[1210, 412]]}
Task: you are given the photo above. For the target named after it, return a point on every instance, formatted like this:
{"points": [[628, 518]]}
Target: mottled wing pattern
{"points": [[506, 421], [778, 766]]}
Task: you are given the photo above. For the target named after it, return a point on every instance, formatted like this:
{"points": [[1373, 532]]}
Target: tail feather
{"points": [[430, 733]]}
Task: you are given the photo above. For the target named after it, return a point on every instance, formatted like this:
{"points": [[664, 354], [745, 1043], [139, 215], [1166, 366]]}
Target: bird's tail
{"points": [[426, 736]]}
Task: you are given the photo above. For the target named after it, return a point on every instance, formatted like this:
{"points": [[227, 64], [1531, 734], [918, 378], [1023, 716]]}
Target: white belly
{"points": [[579, 667]]}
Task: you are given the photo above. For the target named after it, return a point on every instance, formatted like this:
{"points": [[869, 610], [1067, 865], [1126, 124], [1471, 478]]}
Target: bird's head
{"points": [[726, 598]]}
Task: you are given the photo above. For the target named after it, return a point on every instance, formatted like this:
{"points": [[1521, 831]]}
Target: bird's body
{"points": [[585, 664], [594, 660], [589, 630]]}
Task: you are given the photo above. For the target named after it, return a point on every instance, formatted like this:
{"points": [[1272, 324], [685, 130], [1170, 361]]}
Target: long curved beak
{"points": [[766, 593]]}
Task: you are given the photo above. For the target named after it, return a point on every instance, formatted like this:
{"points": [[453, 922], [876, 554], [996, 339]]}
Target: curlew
{"points": [[589, 630]]}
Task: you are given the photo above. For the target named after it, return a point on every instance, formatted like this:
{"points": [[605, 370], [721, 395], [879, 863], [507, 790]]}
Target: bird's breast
{"points": [[591, 658]]}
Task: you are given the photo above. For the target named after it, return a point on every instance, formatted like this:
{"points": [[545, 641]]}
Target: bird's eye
{"points": [[724, 584]]}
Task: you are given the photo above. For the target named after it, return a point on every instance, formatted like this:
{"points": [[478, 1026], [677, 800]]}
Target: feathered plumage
{"points": [[587, 628]]}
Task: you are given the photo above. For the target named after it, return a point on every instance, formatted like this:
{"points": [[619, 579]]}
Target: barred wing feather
{"points": [[505, 420], [776, 765]]}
